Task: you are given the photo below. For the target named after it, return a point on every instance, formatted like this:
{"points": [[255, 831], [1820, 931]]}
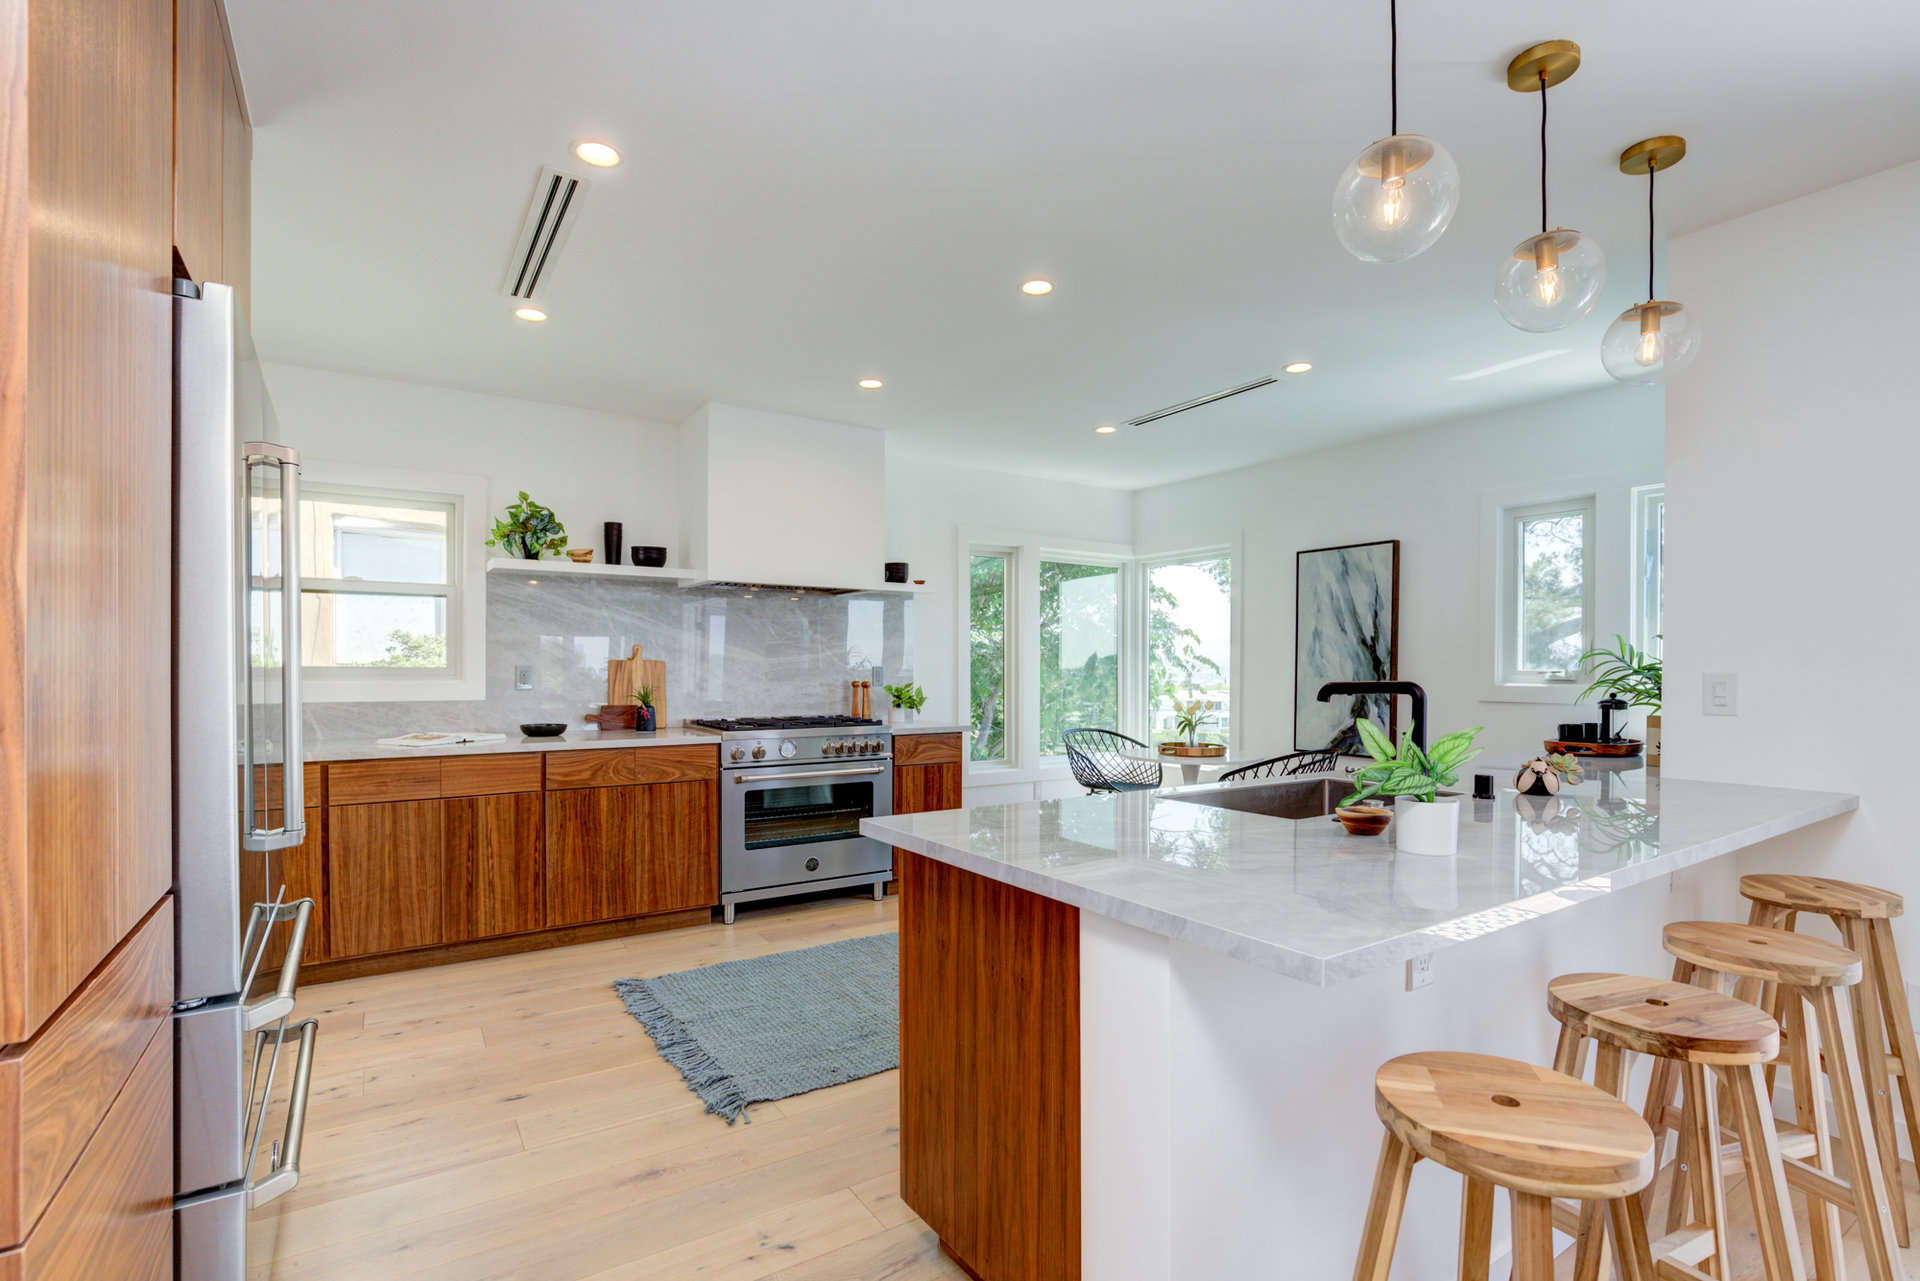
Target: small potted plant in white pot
{"points": [[906, 701], [1424, 822]]}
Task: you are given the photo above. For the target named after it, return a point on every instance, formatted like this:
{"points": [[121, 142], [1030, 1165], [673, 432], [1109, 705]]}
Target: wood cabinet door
{"points": [[384, 874], [199, 130], [236, 188], [921, 789], [592, 833], [678, 850], [494, 872]]}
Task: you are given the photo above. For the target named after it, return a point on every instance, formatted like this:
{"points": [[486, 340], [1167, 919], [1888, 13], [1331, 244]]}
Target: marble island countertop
{"points": [[1301, 897]]}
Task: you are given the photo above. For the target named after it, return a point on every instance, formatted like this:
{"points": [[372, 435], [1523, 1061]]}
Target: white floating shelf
{"points": [[568, 569]]}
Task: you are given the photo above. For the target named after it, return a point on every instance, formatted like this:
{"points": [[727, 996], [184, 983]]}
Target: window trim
{"points": [[1009, 649], [1512, 518], [464, 678], [1125, 593], [1640, 631], [1144, 567]]}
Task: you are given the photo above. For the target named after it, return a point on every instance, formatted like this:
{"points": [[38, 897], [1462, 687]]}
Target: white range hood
{"points": [[779, 500]]}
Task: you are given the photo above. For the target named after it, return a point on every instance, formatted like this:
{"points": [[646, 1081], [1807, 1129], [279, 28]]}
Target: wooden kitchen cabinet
{"points": [[236, 188], [592, 833], [677, 853], [199, 137], [927, 776], [385, 877], [494, 866]]}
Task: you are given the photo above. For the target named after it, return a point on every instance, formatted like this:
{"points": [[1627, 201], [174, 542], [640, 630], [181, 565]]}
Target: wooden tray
{"points": [[1628, 747], [1201, 749]]}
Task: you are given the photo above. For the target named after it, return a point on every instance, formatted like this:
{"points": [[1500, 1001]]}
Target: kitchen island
{"points": [[1138, 1033]]}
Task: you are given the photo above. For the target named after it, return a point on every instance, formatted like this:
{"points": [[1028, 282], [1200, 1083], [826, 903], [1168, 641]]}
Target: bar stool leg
{"points": [[1532, 1237], [1589, 1252], [1893, 999], [1869, 1036], [1476, 1230], [1851, 1123], [1810, 1114], [1631, 1249], [1703, 1175], [1766, 1180], [1387, 1204]]}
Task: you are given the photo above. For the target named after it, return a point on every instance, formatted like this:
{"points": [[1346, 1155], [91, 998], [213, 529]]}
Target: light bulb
{"points": [[1393, 202], [1395, 198], [1546, 286], [1648, 353]]}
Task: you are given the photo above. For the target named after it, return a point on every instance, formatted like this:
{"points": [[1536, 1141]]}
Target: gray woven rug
{"points": [[774, 1026]]}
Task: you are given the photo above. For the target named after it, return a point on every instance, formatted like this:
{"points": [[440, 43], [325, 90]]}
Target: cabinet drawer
{"points": [[113, 1216], [608, 768], [677, 764], [365, 782], [55, 1089], [926, 749], [490, 775]]}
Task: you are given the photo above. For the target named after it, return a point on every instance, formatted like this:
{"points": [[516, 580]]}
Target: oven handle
{"points": [[747, 776]]}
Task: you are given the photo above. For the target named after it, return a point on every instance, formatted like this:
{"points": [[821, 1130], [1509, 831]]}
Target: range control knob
{"points": [[830, 749], [739, 753], [787, 748], [759, 751]]}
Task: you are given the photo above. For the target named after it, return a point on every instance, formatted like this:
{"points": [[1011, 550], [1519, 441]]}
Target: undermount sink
{"points": [[1281, 798]]}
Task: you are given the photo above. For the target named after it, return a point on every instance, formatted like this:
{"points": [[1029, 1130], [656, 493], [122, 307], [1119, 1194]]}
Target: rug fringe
{"points": [[703, 1074]]}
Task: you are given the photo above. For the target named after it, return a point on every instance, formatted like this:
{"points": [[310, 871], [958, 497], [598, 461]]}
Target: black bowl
{"points": [[649, 557], [544, 729]]}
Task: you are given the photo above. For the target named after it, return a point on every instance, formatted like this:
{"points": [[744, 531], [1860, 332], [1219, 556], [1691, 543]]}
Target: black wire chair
{"points": [[1099, 762], [1293, 764]]}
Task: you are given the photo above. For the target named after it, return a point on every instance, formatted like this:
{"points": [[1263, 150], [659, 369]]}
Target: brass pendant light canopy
{"points": [[1551, 279], [1651, 155]]}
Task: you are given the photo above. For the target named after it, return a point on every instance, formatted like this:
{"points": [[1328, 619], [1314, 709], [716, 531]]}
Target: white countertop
{"points": [[1305, 899], [920, 727], [574, 740]]}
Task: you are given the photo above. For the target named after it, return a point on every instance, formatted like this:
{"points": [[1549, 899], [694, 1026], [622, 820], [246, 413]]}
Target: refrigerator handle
{"points": [[284, 1175], [293, 817], [273, 1008]]}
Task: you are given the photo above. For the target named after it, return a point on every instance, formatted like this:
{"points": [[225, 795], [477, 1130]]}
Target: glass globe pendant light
{"points": [[1653, 338], [1398, 195], [1552, 279]]}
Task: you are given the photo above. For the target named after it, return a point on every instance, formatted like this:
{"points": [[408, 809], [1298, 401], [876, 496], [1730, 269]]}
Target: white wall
{"points": [[588, 466], [1791, 453], [1434, 489]]}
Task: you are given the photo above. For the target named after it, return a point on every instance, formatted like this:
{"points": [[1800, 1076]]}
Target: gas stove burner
{"points": [[779, 724]]}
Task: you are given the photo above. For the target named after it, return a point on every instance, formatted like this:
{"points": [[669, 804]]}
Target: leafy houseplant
{"points": [[529, 530], [1191, 717], [907, 699], [1631, 675], [643, 700], [1423, 823]]}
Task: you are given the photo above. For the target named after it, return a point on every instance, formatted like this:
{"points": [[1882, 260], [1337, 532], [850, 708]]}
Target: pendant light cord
{"points": [[1650, 172], [1393, 72], [1543, 153]]}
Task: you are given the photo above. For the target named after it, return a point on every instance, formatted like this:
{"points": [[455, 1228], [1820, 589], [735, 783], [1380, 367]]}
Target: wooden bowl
{"points": [[580, 555], [1364, 820]]}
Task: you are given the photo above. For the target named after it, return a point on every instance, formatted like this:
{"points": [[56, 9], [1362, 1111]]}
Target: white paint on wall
{"points": [[1439, 490], [1791, 454]]}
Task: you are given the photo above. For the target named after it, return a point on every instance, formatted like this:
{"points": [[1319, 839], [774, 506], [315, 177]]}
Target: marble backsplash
{"points": [[728, 653]]}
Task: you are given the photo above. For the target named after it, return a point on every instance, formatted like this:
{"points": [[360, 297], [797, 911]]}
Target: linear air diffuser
{"points": [[1198, 401], [550, 214]]}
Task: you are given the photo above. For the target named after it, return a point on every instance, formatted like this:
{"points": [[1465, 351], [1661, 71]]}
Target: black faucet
{"points": [[1411, 690]]}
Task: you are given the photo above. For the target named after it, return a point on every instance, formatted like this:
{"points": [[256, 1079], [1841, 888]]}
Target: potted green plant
{"points": [[906, 699], [1424, 822], [1193, 716], [1631, 675], [643, 708], [529, 530]]}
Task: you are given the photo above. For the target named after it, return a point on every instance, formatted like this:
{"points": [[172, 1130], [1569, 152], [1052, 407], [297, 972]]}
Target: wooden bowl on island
{"points": [[1364, 820]]}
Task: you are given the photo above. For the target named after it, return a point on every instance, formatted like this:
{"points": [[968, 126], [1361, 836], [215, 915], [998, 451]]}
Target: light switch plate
{"points": [[523, 675], [1720, 694]]}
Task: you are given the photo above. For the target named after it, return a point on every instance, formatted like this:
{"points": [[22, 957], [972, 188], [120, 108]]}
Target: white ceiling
{"points": [[819, 192]]}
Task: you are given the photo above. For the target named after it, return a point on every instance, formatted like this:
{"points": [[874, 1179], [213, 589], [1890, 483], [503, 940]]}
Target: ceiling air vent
{"points": [[550, 214], [1198, 401]]}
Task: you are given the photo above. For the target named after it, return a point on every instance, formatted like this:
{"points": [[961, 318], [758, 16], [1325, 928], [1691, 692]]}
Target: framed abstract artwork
{"points": [[1346, 627]]}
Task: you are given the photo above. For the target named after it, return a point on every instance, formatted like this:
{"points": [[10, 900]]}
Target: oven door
{"points": [[788, 826]]}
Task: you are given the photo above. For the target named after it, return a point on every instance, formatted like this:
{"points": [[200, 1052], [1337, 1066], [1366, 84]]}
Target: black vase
{"points": [[649, 557], [612, 541]]}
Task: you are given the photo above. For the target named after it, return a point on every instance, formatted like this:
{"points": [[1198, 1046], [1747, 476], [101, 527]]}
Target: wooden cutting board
{"points": [[625, 675]]}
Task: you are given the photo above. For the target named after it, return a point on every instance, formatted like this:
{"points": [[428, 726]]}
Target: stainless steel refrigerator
{"points": [[242, 1062]]}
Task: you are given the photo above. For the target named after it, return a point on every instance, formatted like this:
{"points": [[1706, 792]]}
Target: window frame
{"points": [[464, 677], [1144, 567], [1125, 591], [1649, 567], [1011, 719], [1512, 607]]}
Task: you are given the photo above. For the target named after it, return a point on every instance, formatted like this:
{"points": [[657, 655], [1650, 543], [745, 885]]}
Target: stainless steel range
{"points": [[793, 790]]}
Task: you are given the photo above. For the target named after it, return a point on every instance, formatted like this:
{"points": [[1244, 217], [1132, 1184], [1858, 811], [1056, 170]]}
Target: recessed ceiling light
{"points": [[1299, 367], [1106, 429], [598, 154], [1037, 287], [871, 384], [532, 315]]}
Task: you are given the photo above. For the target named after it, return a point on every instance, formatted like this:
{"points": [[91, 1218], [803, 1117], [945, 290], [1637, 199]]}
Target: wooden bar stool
{"points": [[1709, 1040], [1806, 974], [1500, 1123], [1882, 1025]]}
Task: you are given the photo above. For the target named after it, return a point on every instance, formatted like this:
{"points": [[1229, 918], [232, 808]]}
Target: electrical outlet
{"points": [[1720, 694], [523, 675], [1419, 972]]}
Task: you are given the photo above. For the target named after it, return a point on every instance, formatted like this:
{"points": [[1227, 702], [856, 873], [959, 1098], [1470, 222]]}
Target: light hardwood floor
{"points": [[506, 1118]]}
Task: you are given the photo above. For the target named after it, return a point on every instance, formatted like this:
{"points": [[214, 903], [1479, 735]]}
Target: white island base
{"points": [[1241, 977]]}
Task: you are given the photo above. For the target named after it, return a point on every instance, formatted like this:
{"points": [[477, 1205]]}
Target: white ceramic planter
{"points": [[899, 716], [1426, 827]]}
